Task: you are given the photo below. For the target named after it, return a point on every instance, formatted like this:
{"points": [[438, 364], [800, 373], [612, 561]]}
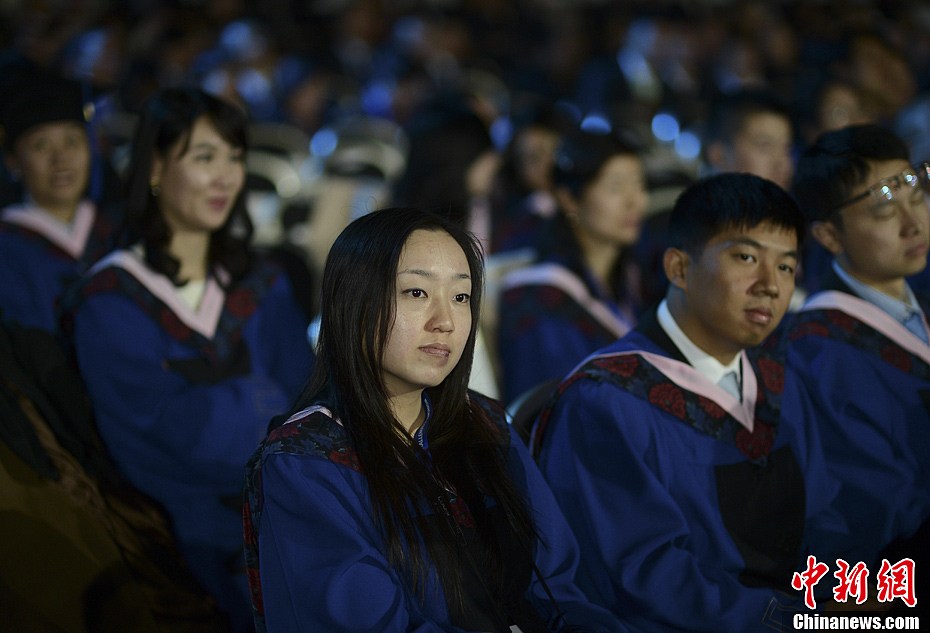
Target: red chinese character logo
{"points": [[852, 583], [896, 581], [808, 578]]}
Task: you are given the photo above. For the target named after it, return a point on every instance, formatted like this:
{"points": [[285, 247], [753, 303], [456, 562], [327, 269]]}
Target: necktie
{"points": [[915, 323], [730, 383]]}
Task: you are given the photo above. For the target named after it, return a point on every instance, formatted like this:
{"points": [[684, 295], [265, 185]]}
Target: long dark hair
{"points": [[358, 295], [167, 117]]}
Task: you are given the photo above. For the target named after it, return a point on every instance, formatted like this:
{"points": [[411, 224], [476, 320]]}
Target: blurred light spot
{"points": [[595, 123], [324, 142], [665, 127], [501, 132], [688, 145], [377, 98]]}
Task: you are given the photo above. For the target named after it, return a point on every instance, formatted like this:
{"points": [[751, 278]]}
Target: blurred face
{"points": [[535, 154], [737, 291], [840, 106], [763, 148], [432, 315], [612, 206], [54, 161], [200, 185], [880, 243]]}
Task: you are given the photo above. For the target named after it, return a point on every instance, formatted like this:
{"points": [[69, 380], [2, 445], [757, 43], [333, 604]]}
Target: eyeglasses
{"points": [[910, 185]]}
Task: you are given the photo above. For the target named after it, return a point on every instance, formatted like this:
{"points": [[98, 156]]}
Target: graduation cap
{"points": [[40, 97]]}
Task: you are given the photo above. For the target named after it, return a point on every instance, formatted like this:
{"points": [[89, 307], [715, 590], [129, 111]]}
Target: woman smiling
{"points": [[189, 343]]}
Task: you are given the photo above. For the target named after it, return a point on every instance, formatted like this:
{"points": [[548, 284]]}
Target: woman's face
{"points": [[612, 205], [432, 315], [200, 186], [54, 161]]}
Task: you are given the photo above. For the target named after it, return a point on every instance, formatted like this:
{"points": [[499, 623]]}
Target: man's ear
{"points": [[675, 262], [828, 235]]}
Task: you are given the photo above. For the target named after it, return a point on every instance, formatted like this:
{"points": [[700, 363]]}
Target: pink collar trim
{"points": [[871, 315], [203, 320], [690, 379], [71, 237], [556, 275]]}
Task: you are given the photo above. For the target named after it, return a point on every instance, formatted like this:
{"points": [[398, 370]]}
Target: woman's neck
{"points": [[191, 250], [599, 256], [64, 213], [408, 409]]}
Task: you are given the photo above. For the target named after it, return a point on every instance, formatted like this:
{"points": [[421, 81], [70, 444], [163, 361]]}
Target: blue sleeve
{"points": [[640, 557], [556, 554], [321, 564], [158, 425], [826, 529], [288, 354], [872, 425]]}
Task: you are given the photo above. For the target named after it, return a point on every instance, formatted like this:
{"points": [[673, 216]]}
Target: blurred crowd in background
{"points": [[313, 64], [344, 85], [458, 105], [356, 104]]}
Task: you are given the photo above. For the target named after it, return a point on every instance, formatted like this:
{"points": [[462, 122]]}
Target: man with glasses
{"points": [[859, 344]]}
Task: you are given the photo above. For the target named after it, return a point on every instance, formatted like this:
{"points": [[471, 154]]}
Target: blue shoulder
{"points": [[314, 432]]}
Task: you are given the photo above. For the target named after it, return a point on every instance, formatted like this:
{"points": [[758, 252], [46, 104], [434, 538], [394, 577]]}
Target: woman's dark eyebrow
{"points": [[426, 273]]}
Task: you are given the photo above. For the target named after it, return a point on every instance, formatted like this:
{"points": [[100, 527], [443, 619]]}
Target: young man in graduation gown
{"points": [[860, 343], [688, 485], [55, 232]]}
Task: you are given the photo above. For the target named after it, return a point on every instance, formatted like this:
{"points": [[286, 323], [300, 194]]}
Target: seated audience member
{"points": [[189, 344], [450, 165], [522, 193], [393, 498], [686, 484], [860, 343], [579, 294], [749, 131], [53, 235]]}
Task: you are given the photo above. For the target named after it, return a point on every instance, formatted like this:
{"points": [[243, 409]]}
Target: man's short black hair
{"points": [[839, 161], [731, 200]]}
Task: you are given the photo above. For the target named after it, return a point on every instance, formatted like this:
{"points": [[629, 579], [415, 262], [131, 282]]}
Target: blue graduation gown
{"points": [[550, 319], [40, 256], [686, 519], [869, 379], [182, 398], [554, 313], [317, 561]]}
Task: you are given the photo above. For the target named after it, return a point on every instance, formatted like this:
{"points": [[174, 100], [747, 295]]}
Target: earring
{"points": [[155, 189]]}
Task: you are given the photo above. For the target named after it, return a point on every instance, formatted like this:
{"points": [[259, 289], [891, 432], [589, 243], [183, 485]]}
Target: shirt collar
{"points": [[704, 363], [420, 435], [897, 309]]}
